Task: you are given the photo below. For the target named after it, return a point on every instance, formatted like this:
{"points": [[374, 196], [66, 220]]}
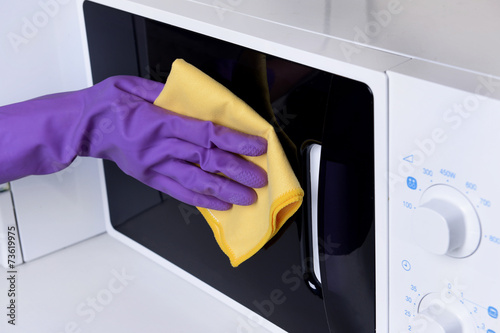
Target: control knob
{"points": [[439, 313], [446, 223]]}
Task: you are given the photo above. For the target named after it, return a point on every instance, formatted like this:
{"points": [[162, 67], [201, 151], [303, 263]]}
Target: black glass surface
{"points": [[346, 209], [294, 98]]}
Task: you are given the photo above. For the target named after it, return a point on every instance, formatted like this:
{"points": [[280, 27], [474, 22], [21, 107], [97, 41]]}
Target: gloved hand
{"points": [[116, 120]]}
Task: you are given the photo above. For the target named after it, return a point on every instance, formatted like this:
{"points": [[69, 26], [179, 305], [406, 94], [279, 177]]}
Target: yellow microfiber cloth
{"points": [[242, 230]]}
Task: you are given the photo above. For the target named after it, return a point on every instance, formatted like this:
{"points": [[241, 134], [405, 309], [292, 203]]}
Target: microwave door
{"points": [[295, 101]]}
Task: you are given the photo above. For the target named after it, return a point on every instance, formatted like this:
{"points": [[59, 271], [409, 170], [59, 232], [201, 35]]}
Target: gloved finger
{"points": [[179, 192], [214, 160], [233, 166], [203, 133], [138, 86], [197, 180], [237, 142], [208, 134]]}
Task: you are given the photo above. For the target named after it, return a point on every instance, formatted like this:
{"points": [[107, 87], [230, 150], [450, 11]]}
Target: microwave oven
{"points": [[390, 123]]}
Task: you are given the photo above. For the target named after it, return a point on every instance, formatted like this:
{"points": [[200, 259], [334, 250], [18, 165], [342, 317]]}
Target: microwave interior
{"points": [[306, 106]]}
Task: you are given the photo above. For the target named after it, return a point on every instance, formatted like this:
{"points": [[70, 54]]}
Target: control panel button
{"points": [[446, 223]]}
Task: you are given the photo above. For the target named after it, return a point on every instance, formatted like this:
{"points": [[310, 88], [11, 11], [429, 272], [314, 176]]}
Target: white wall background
{"points": [[40, 49], [41, 52]]}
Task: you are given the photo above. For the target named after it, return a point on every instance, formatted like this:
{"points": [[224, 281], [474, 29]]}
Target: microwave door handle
{"points": [[309, 227]]}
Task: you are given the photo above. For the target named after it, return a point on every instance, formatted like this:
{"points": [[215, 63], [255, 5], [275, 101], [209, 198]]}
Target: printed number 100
{"points": [[407, 204]]}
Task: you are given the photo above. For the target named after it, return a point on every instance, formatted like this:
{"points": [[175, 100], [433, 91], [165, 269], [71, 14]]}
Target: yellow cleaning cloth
{"points": [[242, 230]]}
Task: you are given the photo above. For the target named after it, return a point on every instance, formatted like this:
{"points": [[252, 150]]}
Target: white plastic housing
{"points": [[444, 203]]}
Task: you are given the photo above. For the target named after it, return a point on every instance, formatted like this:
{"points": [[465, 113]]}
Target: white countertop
{"points": [[102, 285]]}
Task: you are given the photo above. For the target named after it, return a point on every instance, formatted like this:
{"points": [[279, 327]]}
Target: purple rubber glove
{"points": [[116, 120]]}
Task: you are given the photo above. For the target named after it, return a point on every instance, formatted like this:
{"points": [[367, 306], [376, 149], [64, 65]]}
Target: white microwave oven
{"points": [[393, 110]]}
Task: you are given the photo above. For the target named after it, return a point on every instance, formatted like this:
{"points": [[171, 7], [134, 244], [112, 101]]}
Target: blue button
{"points": [[492, 312], [490, 331], [411, 182]]}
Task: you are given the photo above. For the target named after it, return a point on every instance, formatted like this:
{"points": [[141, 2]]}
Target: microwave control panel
{"points": [[444, 201]]}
